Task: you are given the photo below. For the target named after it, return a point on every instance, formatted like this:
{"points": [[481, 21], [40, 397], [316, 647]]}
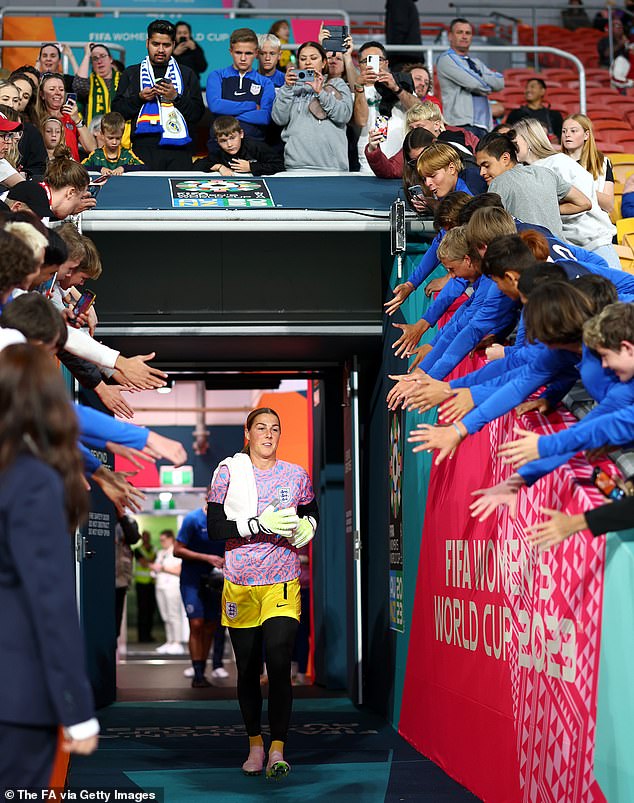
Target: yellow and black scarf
{"points": [[99, 101]]}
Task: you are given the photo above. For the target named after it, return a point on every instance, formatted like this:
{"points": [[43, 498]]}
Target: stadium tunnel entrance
{"points": [[205, 410]]}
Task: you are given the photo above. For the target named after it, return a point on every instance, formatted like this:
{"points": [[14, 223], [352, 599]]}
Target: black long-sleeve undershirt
{"points": [[611, 517], [221, 529]]}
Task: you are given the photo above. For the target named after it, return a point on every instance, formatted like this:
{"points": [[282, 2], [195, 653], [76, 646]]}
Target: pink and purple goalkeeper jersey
{"points": [[265, 559]]}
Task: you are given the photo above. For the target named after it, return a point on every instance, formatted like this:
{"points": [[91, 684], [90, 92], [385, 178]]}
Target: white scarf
{"points": [[161, 116]]}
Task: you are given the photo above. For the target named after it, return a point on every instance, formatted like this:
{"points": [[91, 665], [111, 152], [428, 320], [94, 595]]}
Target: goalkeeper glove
{"points": [[271, 521], [302, 535]]}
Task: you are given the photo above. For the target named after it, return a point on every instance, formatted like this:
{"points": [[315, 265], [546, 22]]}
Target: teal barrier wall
{"points": [[614, 749], [386, 650], [416, 469]]}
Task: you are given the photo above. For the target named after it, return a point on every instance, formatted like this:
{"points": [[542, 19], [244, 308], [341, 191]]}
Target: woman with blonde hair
{"points": [[424, 115], [52, 102], [577, 141], [593, 229]]}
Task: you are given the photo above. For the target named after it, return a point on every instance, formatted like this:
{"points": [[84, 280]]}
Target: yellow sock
{"points": [[276, 746], [255, 741]]}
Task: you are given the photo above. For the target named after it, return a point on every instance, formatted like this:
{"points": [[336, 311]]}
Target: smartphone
{"points": [[84, 303], [415, 190], [373, 63], [93, 189], [606, 484], [71, 97], [334, 44], [381, 124], [163, 82]]}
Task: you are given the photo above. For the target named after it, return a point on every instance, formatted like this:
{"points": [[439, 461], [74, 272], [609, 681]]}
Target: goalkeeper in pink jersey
{"points": [[266, 510]]}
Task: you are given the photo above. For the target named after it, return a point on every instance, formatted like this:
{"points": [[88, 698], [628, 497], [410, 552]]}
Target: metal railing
{"points": [[9, 43], [116, 11], [465, 8], [429, 50]]}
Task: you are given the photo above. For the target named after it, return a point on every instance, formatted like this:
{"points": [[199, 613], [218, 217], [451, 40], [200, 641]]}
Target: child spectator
{"points": [[268, 58], [282, 30], [112, 159], [240, 154], [239, 90], [53, 136]]}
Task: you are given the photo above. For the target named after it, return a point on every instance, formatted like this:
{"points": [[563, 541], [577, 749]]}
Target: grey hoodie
{"points": [[309, 143]]}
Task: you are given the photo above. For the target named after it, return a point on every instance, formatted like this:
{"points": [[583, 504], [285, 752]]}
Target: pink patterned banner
{"points": [[502, 672]]}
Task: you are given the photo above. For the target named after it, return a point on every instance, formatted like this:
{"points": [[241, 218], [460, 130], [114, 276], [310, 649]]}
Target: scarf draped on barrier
{"points": [[160, 116]]}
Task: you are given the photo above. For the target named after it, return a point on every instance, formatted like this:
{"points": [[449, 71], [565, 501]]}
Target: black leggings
{"points": [[278, 635]]}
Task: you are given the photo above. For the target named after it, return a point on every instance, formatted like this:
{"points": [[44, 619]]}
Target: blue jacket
{"points": [[429, 260], [487, 310], [239, 96], [548, 364], [627, 204], [615, 428], [96, 429], [562, 250], [43, 680], [619, 395]]}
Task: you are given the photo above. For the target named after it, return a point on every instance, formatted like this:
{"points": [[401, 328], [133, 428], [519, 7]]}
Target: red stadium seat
{"points": [[610, 147]]}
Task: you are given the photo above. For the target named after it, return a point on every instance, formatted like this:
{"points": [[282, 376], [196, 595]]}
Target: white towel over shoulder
{"points": [[241, 501]]}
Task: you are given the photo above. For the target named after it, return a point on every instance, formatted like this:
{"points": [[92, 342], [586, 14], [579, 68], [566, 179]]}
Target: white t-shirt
{"points": [[165, 580], [395, 129], [6, 170]]}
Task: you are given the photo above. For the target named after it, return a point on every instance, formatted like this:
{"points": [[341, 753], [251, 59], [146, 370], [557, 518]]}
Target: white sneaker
{"points": [[163, 649], [175, 648], [220, 672], [189, 672]]}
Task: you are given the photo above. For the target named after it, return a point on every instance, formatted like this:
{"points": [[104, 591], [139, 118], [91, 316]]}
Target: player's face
{"points": [[159, 48], [621, 361], [264, 435]]}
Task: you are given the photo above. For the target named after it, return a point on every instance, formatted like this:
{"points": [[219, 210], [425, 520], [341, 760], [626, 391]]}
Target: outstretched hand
{"points": [[556, 529], [401, 292], [521, 451], [445, 439], [489, 499]]}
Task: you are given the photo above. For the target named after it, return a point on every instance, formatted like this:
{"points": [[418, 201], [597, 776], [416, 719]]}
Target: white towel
{"points": [[241, 501]]}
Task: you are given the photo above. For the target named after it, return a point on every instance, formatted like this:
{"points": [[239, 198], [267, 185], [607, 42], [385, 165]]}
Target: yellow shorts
{"points": [[250, 606]]}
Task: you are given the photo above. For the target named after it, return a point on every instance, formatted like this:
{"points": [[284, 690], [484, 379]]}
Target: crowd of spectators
{"points": [[522, 230]]}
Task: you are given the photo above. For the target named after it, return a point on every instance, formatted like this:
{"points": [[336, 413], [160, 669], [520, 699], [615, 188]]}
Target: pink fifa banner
{"points": [[502, 671]]}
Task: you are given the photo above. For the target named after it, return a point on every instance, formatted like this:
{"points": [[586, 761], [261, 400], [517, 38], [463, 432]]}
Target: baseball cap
{"points": [[8, 125], [33, 195]]}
